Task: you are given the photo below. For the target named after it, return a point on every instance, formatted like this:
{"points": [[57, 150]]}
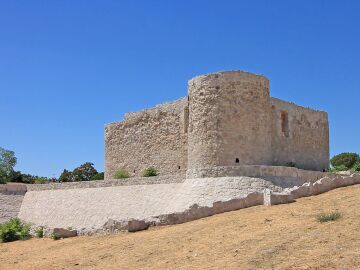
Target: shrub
{"points": [[326, 217], [39, 232], [151, 171], [55, 236], [356, 167], [98, 176], [340, 168], [119, 174], [14, 230], [346, 159], [18, 177], [41, 180]]}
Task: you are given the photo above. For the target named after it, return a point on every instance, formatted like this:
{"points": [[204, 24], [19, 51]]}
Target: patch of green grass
{"points": [[326, 217]]}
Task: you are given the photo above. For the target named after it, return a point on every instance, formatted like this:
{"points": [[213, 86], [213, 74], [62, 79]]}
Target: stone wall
{"points": [[229, 120], [112, 209], [92, 210], [9, 206], [322, 185], [154, 137], [279, 175], [300, 135], [161, 179], [11, 196]]}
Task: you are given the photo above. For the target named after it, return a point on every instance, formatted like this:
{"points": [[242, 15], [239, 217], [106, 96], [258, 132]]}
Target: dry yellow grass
{"points": [[277, 237]]}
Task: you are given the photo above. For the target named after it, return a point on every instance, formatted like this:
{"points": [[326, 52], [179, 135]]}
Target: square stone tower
{"points": [[228, 119]]}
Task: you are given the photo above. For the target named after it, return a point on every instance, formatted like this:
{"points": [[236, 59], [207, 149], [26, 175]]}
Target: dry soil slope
{"points": [[277, 237]]}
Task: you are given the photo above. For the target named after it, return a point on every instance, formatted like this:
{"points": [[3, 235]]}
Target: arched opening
{"points": [[237, 160]]}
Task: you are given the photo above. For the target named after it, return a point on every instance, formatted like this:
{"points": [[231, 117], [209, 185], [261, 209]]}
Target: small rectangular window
{"points": [[285, 123]]}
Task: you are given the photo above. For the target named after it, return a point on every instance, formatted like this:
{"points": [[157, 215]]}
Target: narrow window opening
{"points": [[237, 160], [179, 167], [134, 171], [186, 119], [285, 124]]}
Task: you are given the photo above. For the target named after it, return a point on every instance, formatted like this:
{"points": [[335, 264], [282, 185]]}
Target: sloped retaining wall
{"points": [[268, 197], [111, 208], [309, 189], [101, 210]]}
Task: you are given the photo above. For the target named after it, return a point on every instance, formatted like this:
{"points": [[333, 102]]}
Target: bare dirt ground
{"points": [[277, 237]]}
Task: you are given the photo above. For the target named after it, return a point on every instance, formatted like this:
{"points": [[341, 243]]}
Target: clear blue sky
{"points": [[69, 67]]}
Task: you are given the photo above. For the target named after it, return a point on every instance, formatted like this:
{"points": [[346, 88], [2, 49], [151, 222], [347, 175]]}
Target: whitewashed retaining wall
{"points": [[96, 209], [111, 209], [309, 189]]}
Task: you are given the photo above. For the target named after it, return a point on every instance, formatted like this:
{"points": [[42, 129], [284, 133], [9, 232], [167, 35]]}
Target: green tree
{"points": [[7, 164], [98, 176], [356, 167], [66, 176], [84, 172], [345, 159]]}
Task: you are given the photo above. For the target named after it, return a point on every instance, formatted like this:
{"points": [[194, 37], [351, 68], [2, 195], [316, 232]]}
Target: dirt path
{"points": [[277, 237]]}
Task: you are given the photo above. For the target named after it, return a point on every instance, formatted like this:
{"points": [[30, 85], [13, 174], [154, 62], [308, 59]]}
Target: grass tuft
{"points": [[326, 217]]}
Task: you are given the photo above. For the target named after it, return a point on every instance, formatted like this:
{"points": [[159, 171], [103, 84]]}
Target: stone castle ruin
{"points": [[226, 146], [227, 120]]}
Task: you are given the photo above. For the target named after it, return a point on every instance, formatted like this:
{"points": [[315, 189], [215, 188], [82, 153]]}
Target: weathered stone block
{"points": [[64, 233], [137, 225], [271, 198]]}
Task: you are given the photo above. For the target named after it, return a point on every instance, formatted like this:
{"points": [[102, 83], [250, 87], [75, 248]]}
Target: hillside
{"points": [[277, 237]]}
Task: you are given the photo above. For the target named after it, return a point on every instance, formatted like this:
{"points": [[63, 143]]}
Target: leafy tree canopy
{"points": [[85, 172], [347, 160], [7, 164]]}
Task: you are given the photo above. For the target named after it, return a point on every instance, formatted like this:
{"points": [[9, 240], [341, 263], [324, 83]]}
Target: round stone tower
{"points": [[229, 121]]}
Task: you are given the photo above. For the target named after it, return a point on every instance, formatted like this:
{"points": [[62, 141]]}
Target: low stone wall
{"points": [[160, 179], [11, 196], [322, 185], [111, 208], [284, 176], [13, 189], [268, 197], [9, 206], [278, 175]]}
